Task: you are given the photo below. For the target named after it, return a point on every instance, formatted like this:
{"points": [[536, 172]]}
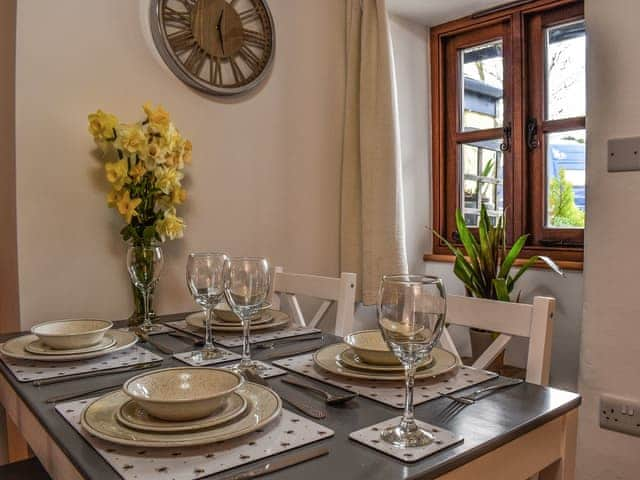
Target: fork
{"points": [[330, 398], [471, 398], [284, 341]]}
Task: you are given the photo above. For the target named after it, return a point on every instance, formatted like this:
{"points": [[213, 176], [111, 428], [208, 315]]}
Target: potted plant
{"points": [[485, 266]]}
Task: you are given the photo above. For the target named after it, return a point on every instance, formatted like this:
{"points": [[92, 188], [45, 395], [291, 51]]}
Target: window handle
{"points": [[505, 146], [532, 134]]}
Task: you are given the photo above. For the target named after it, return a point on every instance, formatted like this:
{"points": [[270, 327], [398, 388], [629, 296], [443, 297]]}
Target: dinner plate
{"points": [[99, 419], [134, 416], [328, 358], [40, 348], [15, 348], [280, 319], [265, 318], [350, 358]]}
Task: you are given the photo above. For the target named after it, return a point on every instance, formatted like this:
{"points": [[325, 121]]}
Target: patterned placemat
{"points": [[235, 340], [28, 370], [370, 436], [389, 392], [186, 357], [188, 463]]}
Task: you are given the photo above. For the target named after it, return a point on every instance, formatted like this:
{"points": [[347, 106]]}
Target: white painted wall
{"points": [[265, 176], [610, 329]]}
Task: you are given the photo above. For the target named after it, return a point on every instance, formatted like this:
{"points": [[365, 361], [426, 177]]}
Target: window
{"points": [[508, 90]]}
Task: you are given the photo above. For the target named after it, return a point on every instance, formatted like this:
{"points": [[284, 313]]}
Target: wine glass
{"points": [[247, 285], [411, 316], [144, 264], [206, 284]]}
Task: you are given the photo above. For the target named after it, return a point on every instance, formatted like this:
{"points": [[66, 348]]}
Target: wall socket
{"points": [[620, 415]]}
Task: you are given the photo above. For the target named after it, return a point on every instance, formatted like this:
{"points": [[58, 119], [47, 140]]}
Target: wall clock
{"points": [[220, 47]]}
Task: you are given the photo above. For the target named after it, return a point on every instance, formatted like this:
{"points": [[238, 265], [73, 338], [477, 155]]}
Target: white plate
{"points": [[328, 358], [15, 348], [99, 419], [134, 416], [40, 348], [266, 317], [280, 319], [351, 359]]}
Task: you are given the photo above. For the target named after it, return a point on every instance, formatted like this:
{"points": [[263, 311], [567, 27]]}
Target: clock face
{"points": [[221, 47]]}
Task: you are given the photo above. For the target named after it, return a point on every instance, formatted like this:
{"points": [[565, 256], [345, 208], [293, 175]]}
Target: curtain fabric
{"points": [[372, 214]]}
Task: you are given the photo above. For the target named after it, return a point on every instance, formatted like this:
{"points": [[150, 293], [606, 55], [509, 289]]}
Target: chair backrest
{"points": [[340, 291], [534, 322]]}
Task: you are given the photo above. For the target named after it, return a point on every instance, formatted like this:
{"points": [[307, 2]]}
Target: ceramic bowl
{"points": [[71, 333], [371, 347], [182, 393], [224, 313]]}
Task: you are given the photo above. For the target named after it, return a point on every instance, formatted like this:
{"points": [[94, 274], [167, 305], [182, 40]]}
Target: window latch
{"points": [[505, 146], [532, 134]]}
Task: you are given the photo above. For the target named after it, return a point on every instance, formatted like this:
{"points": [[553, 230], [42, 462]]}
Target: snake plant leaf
{"points": [[502, 293], [468, 240], [507, 263], [466, 278], [552, 265], [523, 268], [460, 257]]}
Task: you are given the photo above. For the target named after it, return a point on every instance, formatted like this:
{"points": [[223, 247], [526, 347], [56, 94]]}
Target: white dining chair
{"points": [[533, 321], [341, 291]]}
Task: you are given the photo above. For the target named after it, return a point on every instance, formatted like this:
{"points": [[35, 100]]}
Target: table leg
{"points": [[564, 468]]}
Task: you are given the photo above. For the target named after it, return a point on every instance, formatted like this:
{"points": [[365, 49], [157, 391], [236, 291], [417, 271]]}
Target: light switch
{"points": [[623, 154]]}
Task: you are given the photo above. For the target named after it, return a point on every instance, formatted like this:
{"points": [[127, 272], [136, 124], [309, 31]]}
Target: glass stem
{"points": [[246, 346], [208, 333], [146, 324], [408, 422]]}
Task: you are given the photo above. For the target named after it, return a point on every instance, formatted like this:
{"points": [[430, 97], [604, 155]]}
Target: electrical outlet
{"points": [[620, 415]]}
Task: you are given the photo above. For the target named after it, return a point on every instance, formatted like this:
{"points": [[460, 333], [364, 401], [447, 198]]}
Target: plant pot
{"points": [[480, 341]]}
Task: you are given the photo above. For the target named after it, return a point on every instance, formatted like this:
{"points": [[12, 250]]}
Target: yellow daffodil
{"points": [[168, 179], [130, 138], [112, 198], [117, 173], [127, 206], [101, 125], [159, 116], [186, 152], [170, 226], [178, 196], [138, 171]]}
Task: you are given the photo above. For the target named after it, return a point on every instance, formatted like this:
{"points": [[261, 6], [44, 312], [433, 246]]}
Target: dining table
{"points": [[511, 434]]}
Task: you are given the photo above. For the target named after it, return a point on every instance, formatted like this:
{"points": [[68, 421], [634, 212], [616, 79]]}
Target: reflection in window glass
{"points": [[482, 91], [566, 179], [565, 68], [482, 181]]}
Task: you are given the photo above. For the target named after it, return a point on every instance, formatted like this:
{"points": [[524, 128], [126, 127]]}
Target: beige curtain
{"points": [[372, 214]]}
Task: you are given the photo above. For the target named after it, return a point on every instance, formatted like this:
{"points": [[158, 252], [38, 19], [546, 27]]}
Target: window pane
{"points": [[566, 52], [482, 98], [566, 179], [482, 181]]}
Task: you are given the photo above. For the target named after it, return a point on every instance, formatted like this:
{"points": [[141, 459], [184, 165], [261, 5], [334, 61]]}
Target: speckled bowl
{"points": [[182, 393], [371, 347], [72, 333]]}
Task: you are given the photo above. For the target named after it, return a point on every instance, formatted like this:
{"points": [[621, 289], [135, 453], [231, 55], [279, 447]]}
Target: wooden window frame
{"points": [[523, 168]]}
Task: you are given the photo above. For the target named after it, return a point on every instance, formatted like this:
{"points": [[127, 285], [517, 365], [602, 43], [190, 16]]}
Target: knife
{"points": [[74, 395], [78, 376], [253, 376], [291, 353], [279, 464]]}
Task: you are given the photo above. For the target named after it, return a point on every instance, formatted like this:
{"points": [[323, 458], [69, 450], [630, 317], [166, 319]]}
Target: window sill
{"points": [[563, 264]]}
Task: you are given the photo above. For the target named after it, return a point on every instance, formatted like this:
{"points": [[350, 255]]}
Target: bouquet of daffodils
{"points": [[143, 164]]}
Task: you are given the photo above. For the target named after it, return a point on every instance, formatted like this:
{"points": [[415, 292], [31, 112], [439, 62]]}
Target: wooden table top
{"points": [[485, 426]]}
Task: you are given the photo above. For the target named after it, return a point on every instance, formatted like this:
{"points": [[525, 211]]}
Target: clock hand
{"points": [[219, 28]]}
